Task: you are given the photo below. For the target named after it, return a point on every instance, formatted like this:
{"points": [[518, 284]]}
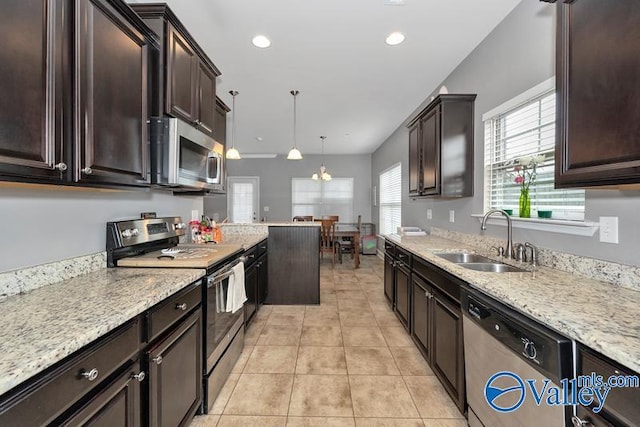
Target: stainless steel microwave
{"points": [[184, 157]]}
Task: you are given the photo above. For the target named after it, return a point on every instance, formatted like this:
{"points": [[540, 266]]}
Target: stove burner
{"points": [[166, 256]]}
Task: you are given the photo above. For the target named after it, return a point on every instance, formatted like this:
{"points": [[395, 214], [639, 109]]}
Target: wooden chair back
{"points": [[327, 238], [331, 217], [303, 218]]}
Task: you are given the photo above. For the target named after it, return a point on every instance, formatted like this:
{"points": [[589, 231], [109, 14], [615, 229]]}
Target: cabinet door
{"points": [[175, 375], [206, 99], [448, 356], [598, 82], [31, 102], [414, 160], [389, 280], [402, 296], [117, 405], [421, 316], [111, 97], [182, 67], [220, 125], [430, 142], [263, 279], [251, 286]]}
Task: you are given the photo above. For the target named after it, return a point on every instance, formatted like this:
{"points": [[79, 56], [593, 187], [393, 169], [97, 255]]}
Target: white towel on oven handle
{"points": [[236, 294]]}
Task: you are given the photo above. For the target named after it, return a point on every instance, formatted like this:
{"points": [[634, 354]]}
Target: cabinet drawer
{"points": [[47, 397], [172, 309], [390, 248], [251, 255], [262, 248], [404, 258], [430, 273]]}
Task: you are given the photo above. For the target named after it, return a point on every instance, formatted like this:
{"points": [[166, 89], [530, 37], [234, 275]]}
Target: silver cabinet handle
{"points": [[577, 422], [90, 375], [140, 377], [87, 170], [182, 306], [61, 166], [157, 360]]}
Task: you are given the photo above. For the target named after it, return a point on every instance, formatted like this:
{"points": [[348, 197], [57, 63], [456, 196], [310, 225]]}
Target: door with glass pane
{"points": [[243, 201]]}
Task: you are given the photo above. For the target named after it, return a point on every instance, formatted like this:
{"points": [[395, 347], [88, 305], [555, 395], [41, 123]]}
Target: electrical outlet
{"points": [[452, 216], [266, 208], [609, 229], [429, 213]]}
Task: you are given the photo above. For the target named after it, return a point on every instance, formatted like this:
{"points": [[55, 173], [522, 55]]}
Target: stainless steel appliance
{"points": [[498, 339], [184, 157], [154, 243]]}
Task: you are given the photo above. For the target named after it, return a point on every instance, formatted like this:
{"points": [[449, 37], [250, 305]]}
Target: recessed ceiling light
{"points": [[394, 38], [261, 41]]}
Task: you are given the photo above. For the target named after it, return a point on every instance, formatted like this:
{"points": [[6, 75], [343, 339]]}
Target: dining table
{"points": [[353, 232]]}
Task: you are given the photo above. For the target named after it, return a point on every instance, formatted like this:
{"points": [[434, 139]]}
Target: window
{"points": [[391, 199], [318, 198], [243, 202], [525, 126]]}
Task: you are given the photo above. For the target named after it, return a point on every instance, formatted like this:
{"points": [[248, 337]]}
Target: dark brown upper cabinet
{"points": [[220, 122], [598, 90], [186, 77], [441, 148], [74, 104]]}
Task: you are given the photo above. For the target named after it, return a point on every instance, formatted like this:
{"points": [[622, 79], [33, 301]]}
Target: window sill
{"points": [[576, 228]]}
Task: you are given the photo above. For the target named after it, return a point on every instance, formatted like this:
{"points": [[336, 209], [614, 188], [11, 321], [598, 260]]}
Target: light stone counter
{"points": [[245, 240], [41, 327], [598, 314]]}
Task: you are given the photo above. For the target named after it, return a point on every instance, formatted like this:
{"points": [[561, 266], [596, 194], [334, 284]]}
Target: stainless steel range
{"points": [[155, 243]]}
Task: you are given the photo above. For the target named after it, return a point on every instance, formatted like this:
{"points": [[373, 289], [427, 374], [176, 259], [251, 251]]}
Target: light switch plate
{"points": [[266, 208], [609, 229], [452, 216], [429, 214]]}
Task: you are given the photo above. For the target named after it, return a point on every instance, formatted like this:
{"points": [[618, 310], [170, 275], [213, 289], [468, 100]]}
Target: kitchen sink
{"points": [[479, 263], [461, 257], [493, 267]]}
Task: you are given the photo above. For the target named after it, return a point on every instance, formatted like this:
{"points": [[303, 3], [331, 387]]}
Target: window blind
{"points": [[319, 198], [527, 129], [391, 199], [242, 202]]}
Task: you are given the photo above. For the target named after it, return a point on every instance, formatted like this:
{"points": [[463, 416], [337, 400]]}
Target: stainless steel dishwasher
{"points": [[503, 351]]}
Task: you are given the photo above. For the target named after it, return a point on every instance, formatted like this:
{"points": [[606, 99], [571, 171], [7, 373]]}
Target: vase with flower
{"points": [[525, 174]]}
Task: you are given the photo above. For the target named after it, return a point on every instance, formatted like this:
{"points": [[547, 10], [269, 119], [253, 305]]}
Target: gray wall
{"points": [[275, 182], [40, 225], [516, 56]]}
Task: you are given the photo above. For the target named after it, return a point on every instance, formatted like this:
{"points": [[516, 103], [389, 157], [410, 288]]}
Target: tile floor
{"points": [[346, 362]]}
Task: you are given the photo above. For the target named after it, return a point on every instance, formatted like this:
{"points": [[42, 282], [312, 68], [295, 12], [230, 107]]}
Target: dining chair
{"points": [[347, 245], [327, 239], [331, 217], [302, 218]]}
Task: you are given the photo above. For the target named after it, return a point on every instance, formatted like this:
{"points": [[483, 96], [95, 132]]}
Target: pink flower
{"points": [[519, 179], [517, 168]]}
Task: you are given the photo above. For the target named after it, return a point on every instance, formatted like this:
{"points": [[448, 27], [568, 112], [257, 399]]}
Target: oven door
{"points": [[221, 325]]}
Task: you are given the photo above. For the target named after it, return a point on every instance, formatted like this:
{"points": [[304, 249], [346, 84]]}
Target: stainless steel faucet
{"points": [[508, 250]]}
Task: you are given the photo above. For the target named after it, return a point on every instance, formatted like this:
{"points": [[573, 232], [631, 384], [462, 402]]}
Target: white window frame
{"points": [[318, 207], [389, 202]]}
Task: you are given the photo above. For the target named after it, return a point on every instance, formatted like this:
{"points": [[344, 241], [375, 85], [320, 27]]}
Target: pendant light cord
{"points": [[295, 132]]}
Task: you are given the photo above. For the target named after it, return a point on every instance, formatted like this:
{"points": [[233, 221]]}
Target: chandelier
{"points": [[323, 175]]}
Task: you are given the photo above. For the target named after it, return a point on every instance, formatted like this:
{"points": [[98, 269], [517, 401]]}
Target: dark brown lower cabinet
{"points": [[421, 315], [251, 288], [403, 284], [117, 405], [262, 267], [175, 374], [389, 280]]}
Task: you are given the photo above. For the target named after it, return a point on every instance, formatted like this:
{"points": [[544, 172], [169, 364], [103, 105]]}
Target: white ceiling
{"points": [[354, 88]]}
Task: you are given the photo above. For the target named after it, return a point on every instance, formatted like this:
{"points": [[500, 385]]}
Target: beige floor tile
{"points": [[352, 304], [444, 423], [357, 318], [381, 396], [431, 398], [205, 421], [320, 422], [389, 422], [292, 318], [245, 421], [380, 306], [253, 332], [242, 360], [264, 312], [353, 294], [410, 361], [224, 395], [397, 336], [329, 301], [321, 360], [370, 361], [272, 359], [280, 335], [260, 394], [363, 336], [326, 336], [321, 395], [322, 316], [386, 318], [288, 309]]}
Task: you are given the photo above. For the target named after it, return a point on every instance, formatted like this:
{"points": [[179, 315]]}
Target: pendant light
{"points": [[233, 153], [323, 175], [294, 153]]}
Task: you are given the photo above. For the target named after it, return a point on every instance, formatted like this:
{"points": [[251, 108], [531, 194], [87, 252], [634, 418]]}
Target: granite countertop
{"points": [[245, 240], [598, 314], [41, 327]]}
